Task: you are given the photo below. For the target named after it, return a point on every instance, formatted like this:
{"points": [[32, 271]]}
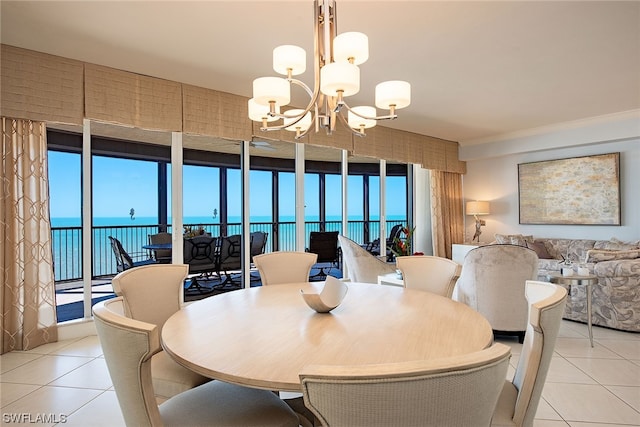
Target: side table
{"points": [[459, 251], [588, 281], [390, 279]]}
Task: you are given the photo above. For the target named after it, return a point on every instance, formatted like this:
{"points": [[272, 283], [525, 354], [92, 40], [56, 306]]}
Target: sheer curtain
{"points": [[447, 218], [27, 295]]}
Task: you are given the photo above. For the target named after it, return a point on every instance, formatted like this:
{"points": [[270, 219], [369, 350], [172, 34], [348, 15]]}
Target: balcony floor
{"points": [[69, 295]]}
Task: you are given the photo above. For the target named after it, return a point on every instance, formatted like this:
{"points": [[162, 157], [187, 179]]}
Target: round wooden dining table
{"points": [[261, 337]]}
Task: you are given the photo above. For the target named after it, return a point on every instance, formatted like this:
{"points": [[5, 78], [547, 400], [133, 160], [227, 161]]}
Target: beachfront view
{"points": [[131, 200]]}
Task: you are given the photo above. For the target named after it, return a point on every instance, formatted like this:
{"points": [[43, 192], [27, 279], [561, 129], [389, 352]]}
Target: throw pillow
{"points": [[513, 239], [616, 245], [598, 255], [540, 249]]}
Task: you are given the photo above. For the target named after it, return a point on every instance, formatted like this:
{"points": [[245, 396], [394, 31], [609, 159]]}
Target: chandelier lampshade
{"points": [[340, 77], [393, 93], [360, 123], [271, 89], [302, 125], [289, 58], [260, 113], [351, 47], [336, 76]]}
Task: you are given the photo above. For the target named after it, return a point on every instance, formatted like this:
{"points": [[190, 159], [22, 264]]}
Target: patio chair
{"points": [[124, 261], [325, 245], [229, 256], [258, 246], [373, 247], [258, 243], [162, 256], [200, 255]]}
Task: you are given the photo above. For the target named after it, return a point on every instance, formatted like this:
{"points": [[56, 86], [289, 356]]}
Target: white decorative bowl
{"points": [[330, 297]]}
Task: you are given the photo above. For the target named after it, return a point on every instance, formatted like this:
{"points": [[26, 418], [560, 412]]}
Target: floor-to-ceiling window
{"points": [[355, 209], [286, 210], [65, 208], [333, 202], [201, 197], [131, 191]]}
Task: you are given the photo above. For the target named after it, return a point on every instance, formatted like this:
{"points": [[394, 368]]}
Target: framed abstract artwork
{"points": [[578, 190]]}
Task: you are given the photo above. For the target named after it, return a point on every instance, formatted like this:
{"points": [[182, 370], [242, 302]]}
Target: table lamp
{"points": [[478, 208]]}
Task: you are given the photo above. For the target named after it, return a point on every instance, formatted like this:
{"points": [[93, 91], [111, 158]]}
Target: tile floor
{"points": [[586, 387]]}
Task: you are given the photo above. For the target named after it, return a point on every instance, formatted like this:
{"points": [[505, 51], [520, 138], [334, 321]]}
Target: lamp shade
{"points": [[259, 112], [357, 122], [287, 57], [393, 92], [351, 45], [478, 208], [302, 125], [340, 76], [271, 89]]}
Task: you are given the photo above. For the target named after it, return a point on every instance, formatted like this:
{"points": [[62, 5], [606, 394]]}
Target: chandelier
{"points": [[336, 60]]}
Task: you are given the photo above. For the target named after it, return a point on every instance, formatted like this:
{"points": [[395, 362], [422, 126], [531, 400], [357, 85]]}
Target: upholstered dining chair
{"points": [[281, 267], [455, 391], [129, 346], [519, 399], [359, 264], [152, 294], [492, 282], [429, 273]]}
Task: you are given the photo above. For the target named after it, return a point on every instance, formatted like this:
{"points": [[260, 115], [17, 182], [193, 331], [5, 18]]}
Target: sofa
{"points": [[616, 298]]}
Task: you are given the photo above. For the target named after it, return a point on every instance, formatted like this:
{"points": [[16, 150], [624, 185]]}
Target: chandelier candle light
{"points": [[337, 76]]}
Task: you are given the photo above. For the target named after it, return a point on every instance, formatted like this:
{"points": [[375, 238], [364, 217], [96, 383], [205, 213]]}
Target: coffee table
{"points": [[588, 281]]}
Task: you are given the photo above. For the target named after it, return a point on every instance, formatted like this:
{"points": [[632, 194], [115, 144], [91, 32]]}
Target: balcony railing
{"points": [[67, 241]]}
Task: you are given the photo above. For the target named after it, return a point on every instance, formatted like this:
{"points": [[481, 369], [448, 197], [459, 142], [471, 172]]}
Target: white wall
{"points": [[493, 176]]}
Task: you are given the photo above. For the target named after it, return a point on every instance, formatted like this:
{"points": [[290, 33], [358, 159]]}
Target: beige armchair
{"points": [[129, 346], [519, 399], [360, 265], [280, 267], [492, 282], [152, 294], [456, 391], [429, 273]]}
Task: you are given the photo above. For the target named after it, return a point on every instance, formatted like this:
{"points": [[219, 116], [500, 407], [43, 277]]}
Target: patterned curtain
{"points": [[27, 295], [447, 220]]}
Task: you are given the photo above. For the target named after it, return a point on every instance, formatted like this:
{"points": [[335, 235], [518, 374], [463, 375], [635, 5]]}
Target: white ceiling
{"points": [[478, 69]]}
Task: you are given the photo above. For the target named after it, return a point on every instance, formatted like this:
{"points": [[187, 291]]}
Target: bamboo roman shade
{"points": [[213, 113], [41, 87], [132, 99], [48, 88]]}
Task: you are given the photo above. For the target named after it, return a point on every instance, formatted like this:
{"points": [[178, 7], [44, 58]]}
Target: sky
{"points": [[120, 185]]}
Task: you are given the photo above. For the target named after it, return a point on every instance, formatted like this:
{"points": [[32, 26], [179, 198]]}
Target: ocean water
{"points": [[144, 221], [133, 234]]}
